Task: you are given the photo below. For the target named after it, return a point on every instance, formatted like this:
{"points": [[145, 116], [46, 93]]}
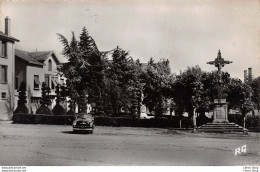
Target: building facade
{"points": [[7, 68], [35, 68]]}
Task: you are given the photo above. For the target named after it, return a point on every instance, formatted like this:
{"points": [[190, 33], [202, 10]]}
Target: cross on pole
{"points": [[219, 62]]}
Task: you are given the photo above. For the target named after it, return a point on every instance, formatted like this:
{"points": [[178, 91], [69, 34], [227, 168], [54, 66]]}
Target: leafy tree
{"points": [[123, 81], [156, 88], [188, 89], [82, 102], [72, 94], [84, 69], [239, 97], [255, 85]]}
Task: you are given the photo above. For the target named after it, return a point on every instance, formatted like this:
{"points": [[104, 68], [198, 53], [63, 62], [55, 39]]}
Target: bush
{"points": [[235, 118], [99, 114], [58, 110], [44, 110], [252, 122], [147, 123], [203, 119], [71, 112], [43, 119], [21, 109]]}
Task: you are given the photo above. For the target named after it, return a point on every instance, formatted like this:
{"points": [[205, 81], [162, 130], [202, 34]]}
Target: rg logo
{"points": [[240, 150]]}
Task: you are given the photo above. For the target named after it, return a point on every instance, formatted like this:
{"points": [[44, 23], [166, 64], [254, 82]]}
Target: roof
{"points": [[37, 57], [9, 38], [27, 57], [43, 55]]}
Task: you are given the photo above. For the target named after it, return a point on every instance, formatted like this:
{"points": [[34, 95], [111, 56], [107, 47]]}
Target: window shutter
{"points": [[0, 74], [1, 49]]}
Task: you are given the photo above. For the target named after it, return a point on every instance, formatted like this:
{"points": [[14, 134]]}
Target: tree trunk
{"points": [[244, 121], [194, 118]]}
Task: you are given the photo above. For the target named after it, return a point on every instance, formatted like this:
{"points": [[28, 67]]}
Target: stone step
{"points": [[220, 127], [219, 123], [222, 131]]}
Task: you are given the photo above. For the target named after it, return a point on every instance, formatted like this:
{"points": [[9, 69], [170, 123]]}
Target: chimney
{"points": [[250, 74], [7, 26], [245, 75]]}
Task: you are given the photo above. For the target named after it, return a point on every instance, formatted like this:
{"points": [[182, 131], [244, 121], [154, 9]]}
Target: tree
{"points": [[22, 108], [239, 97], [45, 101], [58, 109], [188, 89], [156, 88], [72, 94], [255, 85], [122, 81]]}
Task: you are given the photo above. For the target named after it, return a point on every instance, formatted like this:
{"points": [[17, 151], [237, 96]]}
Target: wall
{"points": [[41, 71], [20, 73], [9, 61], [20, 70], [54, 71]]}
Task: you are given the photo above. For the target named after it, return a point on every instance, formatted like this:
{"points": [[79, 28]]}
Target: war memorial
{"points": [[220, 105]]}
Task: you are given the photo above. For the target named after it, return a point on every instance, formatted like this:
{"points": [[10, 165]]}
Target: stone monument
{"points": [[220, 112]]}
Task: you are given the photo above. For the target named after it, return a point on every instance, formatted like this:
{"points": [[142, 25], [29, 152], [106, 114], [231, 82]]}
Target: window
{"points": [[3, 95], [36, 84], [49, 65], [54, 81], [3, 49], [47, 80], [3, 74]]}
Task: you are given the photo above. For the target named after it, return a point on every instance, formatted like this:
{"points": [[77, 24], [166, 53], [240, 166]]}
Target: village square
{"points": [[79, 104]]}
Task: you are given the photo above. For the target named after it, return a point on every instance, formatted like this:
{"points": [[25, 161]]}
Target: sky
{"points": [[187, 32]]}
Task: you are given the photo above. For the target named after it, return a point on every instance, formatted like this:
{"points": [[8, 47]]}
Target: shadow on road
{"points": [[71, 132]]}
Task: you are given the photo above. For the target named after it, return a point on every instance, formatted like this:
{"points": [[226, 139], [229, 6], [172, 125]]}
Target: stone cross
{"points": [[219, 62]]}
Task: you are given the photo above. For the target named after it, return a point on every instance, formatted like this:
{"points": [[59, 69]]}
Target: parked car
{"points": [[146, 116], [83, 123]]}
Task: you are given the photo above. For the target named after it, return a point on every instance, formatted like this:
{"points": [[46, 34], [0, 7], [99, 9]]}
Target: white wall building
{"points": [[35, 68], [7, 68]]}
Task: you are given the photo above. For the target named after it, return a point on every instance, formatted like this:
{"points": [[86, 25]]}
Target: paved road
{"points": [[56, 145]]}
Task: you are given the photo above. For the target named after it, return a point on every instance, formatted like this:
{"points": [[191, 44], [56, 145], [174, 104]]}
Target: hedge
{"points": [[43, 119], [252, 122], [103, 121], [146, 123]]}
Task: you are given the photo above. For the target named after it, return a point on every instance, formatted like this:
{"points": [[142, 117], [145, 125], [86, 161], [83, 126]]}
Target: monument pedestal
{"points": [[220, 112], [220, 120]]}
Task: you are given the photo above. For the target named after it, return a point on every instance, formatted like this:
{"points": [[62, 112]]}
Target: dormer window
{"points": [[49, 65]]}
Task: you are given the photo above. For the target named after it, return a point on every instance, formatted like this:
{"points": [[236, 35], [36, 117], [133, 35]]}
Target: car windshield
{"points": [[88, 117]]}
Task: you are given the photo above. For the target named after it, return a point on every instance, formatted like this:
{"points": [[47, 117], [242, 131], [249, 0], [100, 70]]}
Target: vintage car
{"points": [[83, 123], [146, 116]]}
